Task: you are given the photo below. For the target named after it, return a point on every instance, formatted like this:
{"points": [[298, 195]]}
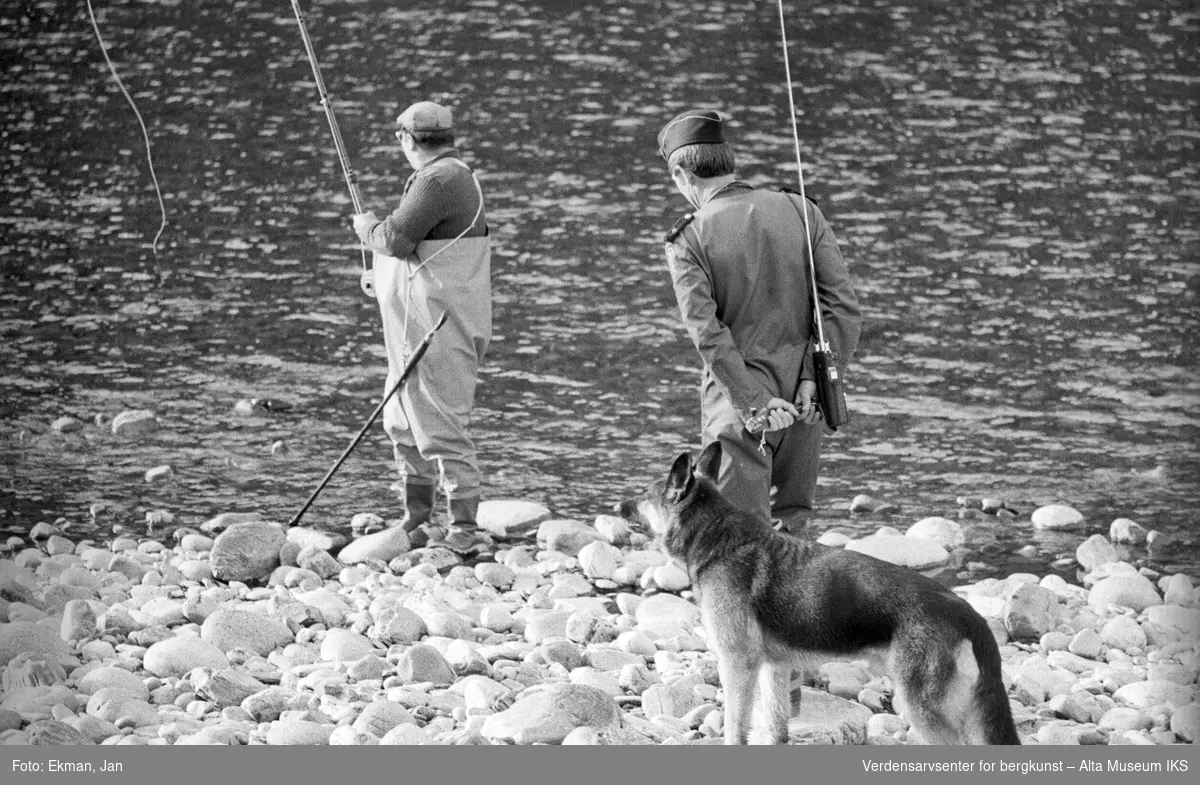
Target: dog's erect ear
{"points": [[679, 479], [709, 464]]}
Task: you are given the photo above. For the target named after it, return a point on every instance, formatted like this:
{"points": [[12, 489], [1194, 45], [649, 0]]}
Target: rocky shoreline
{"points": [[246, 632]]}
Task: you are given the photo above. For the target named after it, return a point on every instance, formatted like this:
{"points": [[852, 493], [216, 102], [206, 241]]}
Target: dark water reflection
{"points": [[1014, 185]]}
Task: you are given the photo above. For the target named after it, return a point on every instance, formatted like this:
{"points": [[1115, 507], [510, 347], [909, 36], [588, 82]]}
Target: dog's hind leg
{"points": [[989, 717], [936, 692], [933, 724], [774, 687], [926, 709]]}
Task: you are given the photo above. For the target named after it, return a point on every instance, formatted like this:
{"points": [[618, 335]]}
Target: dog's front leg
{"points": [[775, 681], [738, 679]]}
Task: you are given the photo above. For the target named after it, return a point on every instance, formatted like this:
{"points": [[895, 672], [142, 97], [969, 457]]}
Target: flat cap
{"points": [[425, 116], [696, 126]]}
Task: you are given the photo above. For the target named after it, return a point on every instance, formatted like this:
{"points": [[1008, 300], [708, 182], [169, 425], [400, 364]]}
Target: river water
{"points": [[1014, 185]]}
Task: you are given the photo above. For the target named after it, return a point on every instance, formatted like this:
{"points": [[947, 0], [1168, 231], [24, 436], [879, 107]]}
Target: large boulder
{"points": [[267, 705], [296, 732], [383, 545], [424, 663], [549, 714], [943, 531], [24, 671], [1129, 590], [1031, 613], [225, 687], [54, 733], [666, 616], [1186, 620], [113, 704], [1096, 550], [306, 537], [599, 559], [345, 646], [828, 719], [110, 676], [912, 552], [1148, 694], [179, 655], [542, 624], [1123, 530], [232, 628], [1056, 516], [380, 716], [36, 640], [506, 519], [247, 551]]}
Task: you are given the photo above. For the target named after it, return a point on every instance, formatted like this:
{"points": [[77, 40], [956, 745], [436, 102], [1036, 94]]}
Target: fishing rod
{"points": [[404, 374], [831, 393], [343, 157]]}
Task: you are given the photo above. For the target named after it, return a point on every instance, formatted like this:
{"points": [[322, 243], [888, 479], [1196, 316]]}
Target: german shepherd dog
{"points": [[772, 603]]}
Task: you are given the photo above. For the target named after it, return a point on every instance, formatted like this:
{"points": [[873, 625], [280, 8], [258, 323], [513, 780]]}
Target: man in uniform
{"points": [[433, 254], [740, 268]]}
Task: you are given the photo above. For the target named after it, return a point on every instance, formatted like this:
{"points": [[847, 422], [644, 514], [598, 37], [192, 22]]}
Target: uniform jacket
{"points": [[741, 276]]}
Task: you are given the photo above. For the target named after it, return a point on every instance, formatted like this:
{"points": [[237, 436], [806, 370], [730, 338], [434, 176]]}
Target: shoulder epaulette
{"points": [[786, 190], [679, 226]]}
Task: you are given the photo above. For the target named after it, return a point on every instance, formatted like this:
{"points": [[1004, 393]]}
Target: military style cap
{"points": [[425, 116], [697, 126]]}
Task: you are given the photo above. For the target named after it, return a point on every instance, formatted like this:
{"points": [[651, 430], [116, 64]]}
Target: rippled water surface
{"points": [[1014, 186]]}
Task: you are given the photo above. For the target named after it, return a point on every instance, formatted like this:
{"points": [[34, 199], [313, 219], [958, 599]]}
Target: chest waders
{"points": [[428, 422]]}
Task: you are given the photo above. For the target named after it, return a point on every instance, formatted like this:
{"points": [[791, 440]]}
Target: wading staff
{"points": [[830, 390], [408, 369], [343, 157]]}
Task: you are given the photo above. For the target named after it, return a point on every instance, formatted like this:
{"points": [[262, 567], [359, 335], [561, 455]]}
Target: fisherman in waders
{"points": [[740, 272], [433, 254]]}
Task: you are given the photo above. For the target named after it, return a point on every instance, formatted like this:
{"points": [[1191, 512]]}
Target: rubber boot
{"points": [[465, 536], [418, 507]]}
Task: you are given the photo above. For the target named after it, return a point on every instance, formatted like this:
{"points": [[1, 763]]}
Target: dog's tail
{"points": [[994, 714]]}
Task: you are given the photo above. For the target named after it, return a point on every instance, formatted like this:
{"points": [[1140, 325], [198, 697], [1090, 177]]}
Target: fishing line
{"points": [[830, 387], [145, 136], [787, 68]]}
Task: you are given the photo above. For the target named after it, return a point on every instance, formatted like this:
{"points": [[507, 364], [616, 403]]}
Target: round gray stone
{"points": [[179, 655], [231, 628]]}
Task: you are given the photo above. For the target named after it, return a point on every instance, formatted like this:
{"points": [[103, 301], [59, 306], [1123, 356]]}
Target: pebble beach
{"points": [[1008, 184], [568, 632]]}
